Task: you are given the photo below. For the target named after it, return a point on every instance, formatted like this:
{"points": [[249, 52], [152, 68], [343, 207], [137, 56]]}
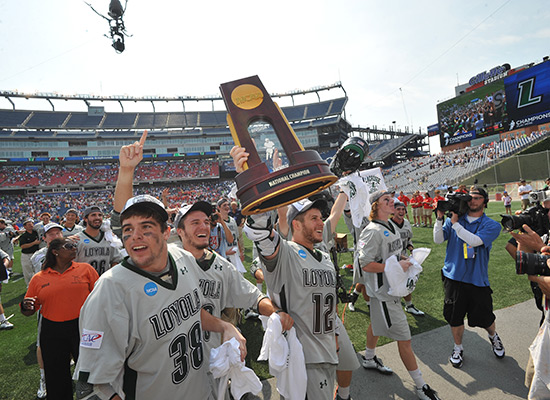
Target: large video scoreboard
{"points": [[496, 103]]}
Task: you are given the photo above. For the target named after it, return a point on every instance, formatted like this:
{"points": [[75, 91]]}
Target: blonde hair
{"points": [[374, 211]]}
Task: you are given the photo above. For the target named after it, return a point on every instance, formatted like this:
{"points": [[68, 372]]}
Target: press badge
{"points": [[469, 251]]}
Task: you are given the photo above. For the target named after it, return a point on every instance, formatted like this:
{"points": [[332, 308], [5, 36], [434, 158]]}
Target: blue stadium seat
{"points": [[152, 120], [83, 121], [12, 119], [338, 106], [214, 118], [294, 113], [47, 119], [317, 110], [119, 120], [182, 120]]}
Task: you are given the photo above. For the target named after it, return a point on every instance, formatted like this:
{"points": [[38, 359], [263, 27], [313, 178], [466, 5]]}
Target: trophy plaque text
{"points": [[258, 189]]}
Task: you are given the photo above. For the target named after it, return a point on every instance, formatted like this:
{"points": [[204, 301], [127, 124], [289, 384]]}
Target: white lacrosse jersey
{"points": [[97, 252], [143, 335], [378, 241], [305, 287]]}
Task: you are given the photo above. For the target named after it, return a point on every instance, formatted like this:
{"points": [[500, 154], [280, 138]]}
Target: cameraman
{"points": [[465, 272]]}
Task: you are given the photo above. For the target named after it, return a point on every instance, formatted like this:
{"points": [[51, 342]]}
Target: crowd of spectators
{"points": [[59, 175], [476, 115], [17, 208]]}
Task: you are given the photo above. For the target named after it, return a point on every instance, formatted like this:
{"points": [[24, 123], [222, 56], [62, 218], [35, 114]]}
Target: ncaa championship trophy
{"points": [[258, 189]]}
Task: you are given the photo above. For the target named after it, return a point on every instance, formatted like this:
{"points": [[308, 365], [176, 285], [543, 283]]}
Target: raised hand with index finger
{"points": [[131, 155]]}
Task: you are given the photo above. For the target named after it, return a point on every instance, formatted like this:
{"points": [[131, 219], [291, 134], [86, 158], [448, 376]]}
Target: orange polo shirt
{"points": [[428, 202], [416, 201], [62, 295]]}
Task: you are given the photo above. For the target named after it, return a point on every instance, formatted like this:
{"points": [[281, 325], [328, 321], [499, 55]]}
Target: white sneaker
{"points": [[41, 392], [414, 311], [498, 347], [5, 325], [351, 306], [376, 363], [426, 393]]}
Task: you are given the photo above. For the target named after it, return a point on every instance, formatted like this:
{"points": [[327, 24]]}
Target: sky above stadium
{"points": [[395, 59]]}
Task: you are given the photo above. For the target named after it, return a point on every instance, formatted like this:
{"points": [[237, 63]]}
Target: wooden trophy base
{"points": [[260, 191]]}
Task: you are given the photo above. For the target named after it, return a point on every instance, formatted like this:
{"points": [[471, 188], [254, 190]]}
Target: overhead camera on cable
{"points": [[117, 30]]}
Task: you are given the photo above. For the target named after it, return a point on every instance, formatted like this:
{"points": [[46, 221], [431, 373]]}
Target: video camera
{"points": [[535, 217], [455, 202], [349, 156]]}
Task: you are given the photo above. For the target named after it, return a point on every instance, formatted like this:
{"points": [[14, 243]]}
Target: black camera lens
{"points": [[532, 264], [513, 222]]}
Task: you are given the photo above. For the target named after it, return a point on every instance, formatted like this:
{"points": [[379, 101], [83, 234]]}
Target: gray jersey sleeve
{"points": [[369, 247], [105, 315], [240, 293], [38, 258]]}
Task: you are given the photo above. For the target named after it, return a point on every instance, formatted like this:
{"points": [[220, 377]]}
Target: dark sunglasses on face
{"points": [[69, 246]]}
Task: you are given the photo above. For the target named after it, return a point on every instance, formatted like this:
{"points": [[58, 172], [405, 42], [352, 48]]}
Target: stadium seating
{"points": [[444, 169], [45, 119], [119, 120], [13, 119]]}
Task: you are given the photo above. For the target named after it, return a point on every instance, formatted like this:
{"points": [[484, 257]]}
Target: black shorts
{"points": [[464, 299]]}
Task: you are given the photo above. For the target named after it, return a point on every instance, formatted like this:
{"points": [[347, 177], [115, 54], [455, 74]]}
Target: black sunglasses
{"points": [[69, 246]]}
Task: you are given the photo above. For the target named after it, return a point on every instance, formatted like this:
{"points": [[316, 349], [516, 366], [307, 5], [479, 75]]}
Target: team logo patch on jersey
{"points": [[86, 240], [302, 253], [91, 339], [386, 233], [150, 289]]}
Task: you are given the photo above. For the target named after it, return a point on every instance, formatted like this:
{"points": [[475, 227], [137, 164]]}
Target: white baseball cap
{"points": [[147, 201], [187, 208]]}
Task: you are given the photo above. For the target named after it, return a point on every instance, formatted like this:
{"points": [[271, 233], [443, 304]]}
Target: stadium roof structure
{"points": [[93, 115], [389, 146]]}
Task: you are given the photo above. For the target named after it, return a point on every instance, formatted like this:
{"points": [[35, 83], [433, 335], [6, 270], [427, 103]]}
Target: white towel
{"points": [[286, 359], [403, 283], [225, 364]]}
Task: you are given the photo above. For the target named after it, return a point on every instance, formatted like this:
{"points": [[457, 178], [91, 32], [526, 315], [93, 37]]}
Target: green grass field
{"points": [[20, 375]]}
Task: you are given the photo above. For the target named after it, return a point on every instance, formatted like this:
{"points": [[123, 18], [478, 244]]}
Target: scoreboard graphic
{"points": [[510, 101]]}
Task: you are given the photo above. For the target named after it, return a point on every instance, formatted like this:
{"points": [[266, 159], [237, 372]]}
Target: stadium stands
{"points": [[119, 120], [47, 120], [20, 207], [445, 169], [60, 175], [379, 151]]}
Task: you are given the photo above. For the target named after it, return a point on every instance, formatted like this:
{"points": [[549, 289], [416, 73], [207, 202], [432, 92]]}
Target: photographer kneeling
{"points": [[465, 273]]}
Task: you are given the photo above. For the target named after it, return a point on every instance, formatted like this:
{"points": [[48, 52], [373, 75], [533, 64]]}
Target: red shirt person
{"points": [[416, 204]]}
